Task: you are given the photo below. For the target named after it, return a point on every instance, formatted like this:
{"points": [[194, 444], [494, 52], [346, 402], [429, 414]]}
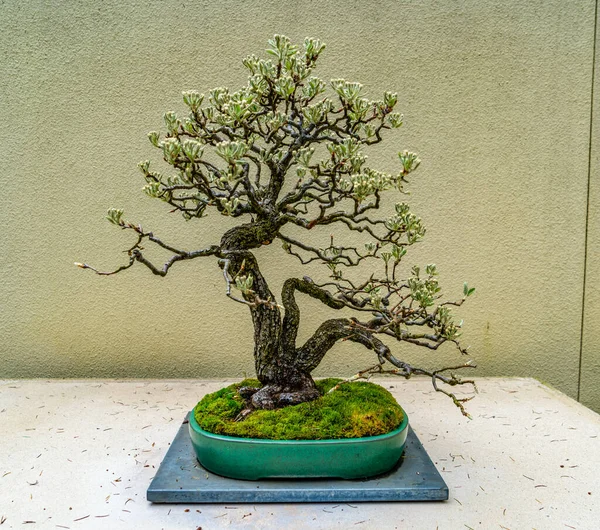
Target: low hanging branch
{"points": [[135, 252], [405, 370], [291, 157]]}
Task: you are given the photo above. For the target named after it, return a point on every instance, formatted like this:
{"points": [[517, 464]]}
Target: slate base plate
{"points": [[181, 479]]}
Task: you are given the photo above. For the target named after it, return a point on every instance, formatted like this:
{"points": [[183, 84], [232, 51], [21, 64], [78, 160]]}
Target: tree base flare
{"points": [[271, 397]]}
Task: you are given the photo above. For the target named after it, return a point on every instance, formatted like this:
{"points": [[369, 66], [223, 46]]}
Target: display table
{"points": [[81, 454]]}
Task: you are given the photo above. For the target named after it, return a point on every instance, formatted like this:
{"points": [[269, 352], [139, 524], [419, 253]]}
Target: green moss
{"points": [[354, 410]]}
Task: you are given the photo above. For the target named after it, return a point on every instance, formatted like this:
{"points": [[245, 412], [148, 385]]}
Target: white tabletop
{"points": [[80, 455]]}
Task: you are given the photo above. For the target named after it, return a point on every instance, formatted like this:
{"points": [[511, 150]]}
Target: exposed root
{"points": [[247, 392], [244, 414], [271, 397]]}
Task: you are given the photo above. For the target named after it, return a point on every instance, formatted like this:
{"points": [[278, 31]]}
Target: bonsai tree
{"points": [[285, 155]]}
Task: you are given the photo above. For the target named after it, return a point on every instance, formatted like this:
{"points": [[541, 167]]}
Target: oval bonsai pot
{"points": [[255, 458]]}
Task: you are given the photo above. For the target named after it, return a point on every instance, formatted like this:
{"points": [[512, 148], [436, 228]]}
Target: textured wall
{"points": [[496, 97], [590, 352]]}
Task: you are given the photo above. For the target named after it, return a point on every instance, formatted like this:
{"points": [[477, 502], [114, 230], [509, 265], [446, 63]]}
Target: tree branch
{"points": [[406, 370], [312, 352], [135, 253], [291, 319]]}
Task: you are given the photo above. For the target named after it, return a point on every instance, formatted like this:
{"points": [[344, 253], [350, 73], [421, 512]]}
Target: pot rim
{"points": [[236, 439]]}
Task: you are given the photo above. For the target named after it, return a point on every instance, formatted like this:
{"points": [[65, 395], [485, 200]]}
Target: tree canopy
{"points": [[287, 151]]}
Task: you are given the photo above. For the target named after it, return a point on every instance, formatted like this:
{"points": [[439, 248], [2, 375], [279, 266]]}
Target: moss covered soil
{"points": [[353, 410]]}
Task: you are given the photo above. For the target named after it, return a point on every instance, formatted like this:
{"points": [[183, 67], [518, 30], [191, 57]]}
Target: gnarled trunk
{"points": [[285, 380], [266, 318], [283, 368]]}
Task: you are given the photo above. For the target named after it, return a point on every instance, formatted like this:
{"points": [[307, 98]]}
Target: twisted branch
{"points": [[135, 253]]}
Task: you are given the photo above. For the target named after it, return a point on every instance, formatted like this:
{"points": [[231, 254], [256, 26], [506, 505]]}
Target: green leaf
{"points": [[115, 216]]}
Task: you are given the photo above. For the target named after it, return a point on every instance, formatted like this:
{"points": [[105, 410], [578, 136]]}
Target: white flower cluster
{"points": [[229, 206], [406, 222], [370, 181], [232, 152], [193, 99]]}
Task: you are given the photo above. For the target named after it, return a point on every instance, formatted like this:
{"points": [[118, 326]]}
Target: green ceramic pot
{"points": [[254, 458]]}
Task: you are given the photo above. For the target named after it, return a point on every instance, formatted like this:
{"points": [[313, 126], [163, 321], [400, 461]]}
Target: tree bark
{"points": [[282, 368], [235, 249]]}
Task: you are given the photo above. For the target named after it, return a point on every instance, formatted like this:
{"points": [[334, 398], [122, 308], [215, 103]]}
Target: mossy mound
{"points": [[354, 410]]}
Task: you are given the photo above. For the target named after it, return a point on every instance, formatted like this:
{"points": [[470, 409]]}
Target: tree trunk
{"points": [[282, 368], [235, 246]]}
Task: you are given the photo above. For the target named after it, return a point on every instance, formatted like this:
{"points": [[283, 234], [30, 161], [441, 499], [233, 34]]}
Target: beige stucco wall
{"points": [[590, 351], [496, 97]]}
